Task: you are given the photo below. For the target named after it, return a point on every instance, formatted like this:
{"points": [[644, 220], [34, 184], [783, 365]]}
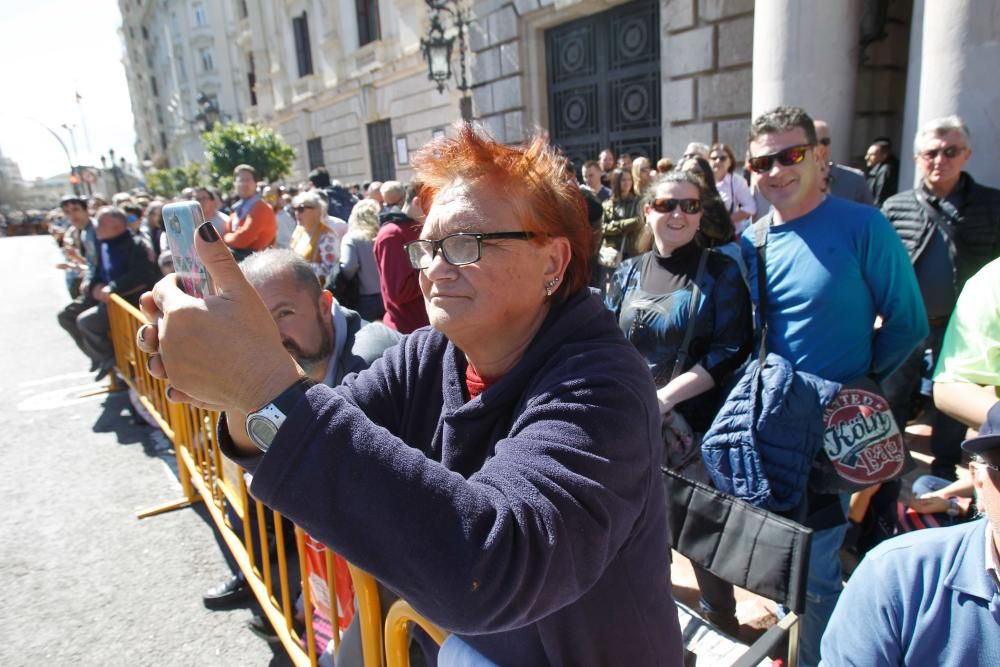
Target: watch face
{"points": [[261, 431]]}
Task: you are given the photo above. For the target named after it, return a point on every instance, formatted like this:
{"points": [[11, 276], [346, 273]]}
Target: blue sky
{"points": [[51, 49]]}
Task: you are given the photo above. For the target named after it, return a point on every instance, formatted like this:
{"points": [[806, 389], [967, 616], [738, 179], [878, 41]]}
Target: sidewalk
{"points": [[86, 582]]}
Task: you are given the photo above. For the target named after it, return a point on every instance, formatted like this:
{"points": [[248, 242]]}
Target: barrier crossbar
{"points": [[262, 542]]}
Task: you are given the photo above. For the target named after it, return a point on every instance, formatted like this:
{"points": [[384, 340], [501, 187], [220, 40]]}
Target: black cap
{"points": [[989, 435]]}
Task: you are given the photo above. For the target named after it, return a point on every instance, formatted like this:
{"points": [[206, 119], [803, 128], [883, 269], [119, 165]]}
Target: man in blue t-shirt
{"points": [[832, 268]]}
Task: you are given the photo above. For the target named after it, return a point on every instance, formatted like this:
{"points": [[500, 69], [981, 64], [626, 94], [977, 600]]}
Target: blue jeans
{"points": [[822, 588], [456, 653]]}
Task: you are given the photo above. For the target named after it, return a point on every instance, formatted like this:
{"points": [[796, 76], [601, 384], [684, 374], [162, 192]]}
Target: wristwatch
{"points": [[263, 424]]}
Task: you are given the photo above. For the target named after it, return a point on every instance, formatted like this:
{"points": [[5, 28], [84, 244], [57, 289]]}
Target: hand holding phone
{"points": [[180, 220]]}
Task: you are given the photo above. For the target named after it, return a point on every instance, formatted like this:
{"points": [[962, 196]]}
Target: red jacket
{"points": [[404, 302]]}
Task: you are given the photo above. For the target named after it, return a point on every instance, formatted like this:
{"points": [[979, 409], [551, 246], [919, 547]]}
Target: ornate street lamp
{"points": [[208, 114], [448, 21]]}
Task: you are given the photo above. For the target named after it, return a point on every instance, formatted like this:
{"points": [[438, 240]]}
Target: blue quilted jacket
{"points": [[762, 443]]}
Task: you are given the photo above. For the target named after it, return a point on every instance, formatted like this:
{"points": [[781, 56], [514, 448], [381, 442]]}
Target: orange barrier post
{"points": [[397, 633], [207, 476]]}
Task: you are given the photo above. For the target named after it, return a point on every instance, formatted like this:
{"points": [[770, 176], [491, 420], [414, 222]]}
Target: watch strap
{"points": [[273, 415]]}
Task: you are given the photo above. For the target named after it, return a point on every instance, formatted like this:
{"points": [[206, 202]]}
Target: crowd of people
{"points": [[499, 468]]}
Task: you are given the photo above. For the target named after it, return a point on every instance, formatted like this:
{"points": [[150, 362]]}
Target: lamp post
{"points": [[448, 22], [208, 112], [114, 170], [74, 178]]}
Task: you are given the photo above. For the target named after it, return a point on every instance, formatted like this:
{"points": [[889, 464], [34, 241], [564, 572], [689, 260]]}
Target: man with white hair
{"points": [[950, 226], [393, 194], [374, 191]]}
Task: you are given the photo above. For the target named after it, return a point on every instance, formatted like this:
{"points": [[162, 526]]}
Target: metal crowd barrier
{"points": [[261, 541]]}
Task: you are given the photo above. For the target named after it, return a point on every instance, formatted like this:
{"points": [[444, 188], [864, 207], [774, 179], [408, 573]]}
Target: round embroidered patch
{"points": [[861, 438]]}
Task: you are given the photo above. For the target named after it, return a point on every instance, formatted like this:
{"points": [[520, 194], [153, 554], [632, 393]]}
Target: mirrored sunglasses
{"points": [[786, 157]]}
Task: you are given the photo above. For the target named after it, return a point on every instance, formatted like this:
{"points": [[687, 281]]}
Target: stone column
{"points": [[805, 53], [955, 47]]}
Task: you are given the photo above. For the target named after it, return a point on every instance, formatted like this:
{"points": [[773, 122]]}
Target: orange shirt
{"points": [[254, 232]]}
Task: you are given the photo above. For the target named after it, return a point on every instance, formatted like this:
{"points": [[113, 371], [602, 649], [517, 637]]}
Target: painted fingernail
{"points": [[149, 362], [142, 333], [208, 232], [169, 392]]}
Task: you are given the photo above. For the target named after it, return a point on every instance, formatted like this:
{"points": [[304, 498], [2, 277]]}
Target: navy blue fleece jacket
{"points": [[530, 520]]}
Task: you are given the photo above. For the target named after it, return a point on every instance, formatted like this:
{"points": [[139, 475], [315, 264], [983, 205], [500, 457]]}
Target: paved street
{"points": [[85, 582]]}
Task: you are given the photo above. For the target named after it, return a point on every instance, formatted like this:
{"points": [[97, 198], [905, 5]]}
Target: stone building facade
{"points": [[179, 59], [346, 83]]}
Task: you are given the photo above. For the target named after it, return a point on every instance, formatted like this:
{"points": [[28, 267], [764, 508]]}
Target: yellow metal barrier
{"points": [[207, 476], [397, 633]]}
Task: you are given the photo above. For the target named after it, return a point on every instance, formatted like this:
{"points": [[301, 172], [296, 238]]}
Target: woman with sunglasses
{"points": [[733, 189], [498, 469], [316, 236], [681, 290]]}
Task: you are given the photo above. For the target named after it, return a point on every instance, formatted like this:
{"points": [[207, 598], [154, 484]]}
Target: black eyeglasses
{"points": [[718, 158], [669, 205], [949, 152], [457, 249], [786, 157], [299, 209], [825, 141]]}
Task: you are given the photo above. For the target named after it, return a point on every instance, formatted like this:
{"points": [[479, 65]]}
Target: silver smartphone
{"points": [[180, 222]]}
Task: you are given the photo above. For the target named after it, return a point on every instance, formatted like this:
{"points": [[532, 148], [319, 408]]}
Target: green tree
{"points": [[170, 182], [232, 144]]}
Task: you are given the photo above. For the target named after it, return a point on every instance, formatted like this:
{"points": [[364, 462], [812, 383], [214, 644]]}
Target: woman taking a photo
{"points": [[732, 188], [498, 469], [682, 292]]}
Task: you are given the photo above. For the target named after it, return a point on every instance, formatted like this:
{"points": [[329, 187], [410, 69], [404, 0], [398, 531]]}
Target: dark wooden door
{"points": [[380, 151], [604, 82]]}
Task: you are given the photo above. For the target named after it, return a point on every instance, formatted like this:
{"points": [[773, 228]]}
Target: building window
{"points": [[207, 63], [368, 27], [244, 13], [303, 54], [314, 149], [252, 81], [181, 68], [152, 84], [145, 33], [163, 140], [380, 150], [199, 15]]}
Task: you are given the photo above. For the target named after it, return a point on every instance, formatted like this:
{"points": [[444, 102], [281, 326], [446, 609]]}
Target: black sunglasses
{"points": [[825, 141], [949, 152], [300, 208], [669, 205], [786, 157]]}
